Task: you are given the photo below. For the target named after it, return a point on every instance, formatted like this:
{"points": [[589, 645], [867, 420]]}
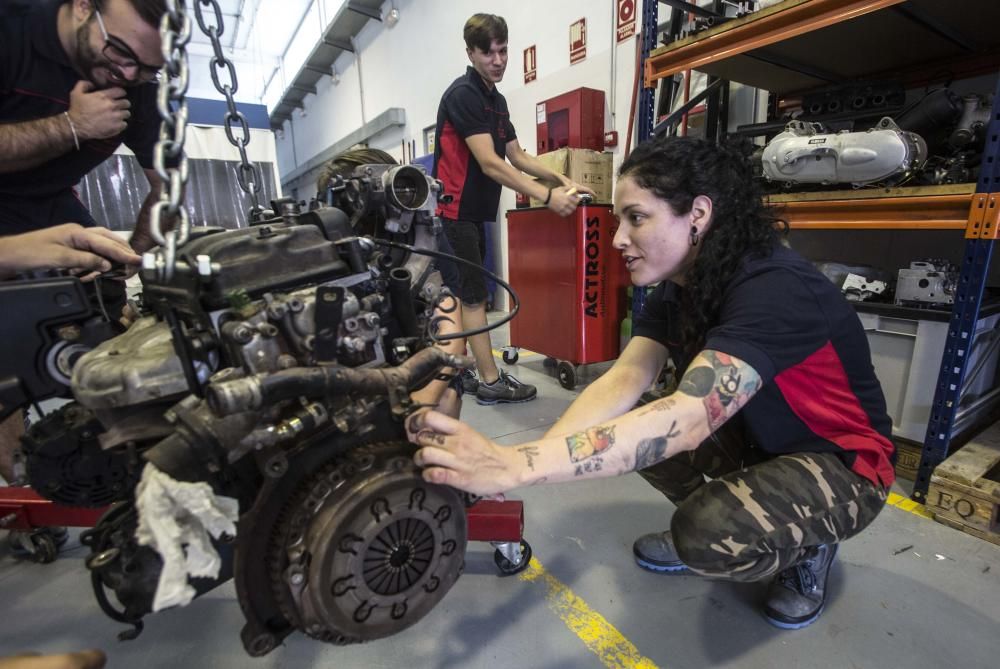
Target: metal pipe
{"points": [[402, 302], [361, 81]]}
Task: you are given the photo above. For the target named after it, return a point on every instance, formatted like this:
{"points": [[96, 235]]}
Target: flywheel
{"points": [[369, 547]]}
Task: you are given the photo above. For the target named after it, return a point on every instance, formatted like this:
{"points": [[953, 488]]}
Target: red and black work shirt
{"points": [[793, 326], [469, 108], [35, 82]]}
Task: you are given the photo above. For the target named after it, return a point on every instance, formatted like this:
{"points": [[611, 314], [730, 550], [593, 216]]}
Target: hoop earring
{"points": [[694, 236]]}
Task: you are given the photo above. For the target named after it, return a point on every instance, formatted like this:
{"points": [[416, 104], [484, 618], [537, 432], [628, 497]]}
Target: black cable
{"points": [[445, 256]]}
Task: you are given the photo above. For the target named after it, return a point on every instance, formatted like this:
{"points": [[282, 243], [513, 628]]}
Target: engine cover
{"points": [[804, 154]]}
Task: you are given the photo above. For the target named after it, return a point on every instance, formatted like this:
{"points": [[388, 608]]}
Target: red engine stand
{"points": [[24, 509], [500, 523]]}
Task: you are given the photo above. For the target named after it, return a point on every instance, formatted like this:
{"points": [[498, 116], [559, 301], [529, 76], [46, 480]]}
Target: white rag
{"points": [[174, 516]]}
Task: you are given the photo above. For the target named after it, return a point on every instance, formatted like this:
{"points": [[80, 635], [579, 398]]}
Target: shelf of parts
{"points": [[796, 45]]}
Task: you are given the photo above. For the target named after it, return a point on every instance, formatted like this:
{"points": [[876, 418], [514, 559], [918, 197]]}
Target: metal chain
{"points": [[175, 33], [247, 174]]}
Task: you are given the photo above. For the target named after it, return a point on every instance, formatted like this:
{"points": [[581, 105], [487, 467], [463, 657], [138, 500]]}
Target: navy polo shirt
{"points": [[35, 81], [469, 108], [792, 325]]}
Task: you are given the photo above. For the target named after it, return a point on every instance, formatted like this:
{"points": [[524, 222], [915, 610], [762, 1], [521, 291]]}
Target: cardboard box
{"points": [[584, 166]]}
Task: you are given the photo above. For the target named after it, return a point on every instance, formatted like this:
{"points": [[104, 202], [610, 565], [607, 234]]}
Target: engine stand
{"points": [[21, 508]]}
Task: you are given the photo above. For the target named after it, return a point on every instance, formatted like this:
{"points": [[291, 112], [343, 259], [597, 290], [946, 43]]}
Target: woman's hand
{"points": [[454, 454]]}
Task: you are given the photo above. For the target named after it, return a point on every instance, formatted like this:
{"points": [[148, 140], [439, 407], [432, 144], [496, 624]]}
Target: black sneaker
{"points": [[798, 594], [470, 384], [505, 389], [656, 552]]}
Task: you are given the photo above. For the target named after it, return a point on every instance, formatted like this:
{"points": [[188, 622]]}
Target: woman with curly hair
{"points": [[778, 404]]}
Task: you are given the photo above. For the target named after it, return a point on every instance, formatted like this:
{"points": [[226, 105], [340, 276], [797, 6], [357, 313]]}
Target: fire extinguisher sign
{"points": [[530, 64], [577, 41], [626, 20]]}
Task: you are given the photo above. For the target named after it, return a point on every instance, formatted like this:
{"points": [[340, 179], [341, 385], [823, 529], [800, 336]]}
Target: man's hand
{"points": [[454, 454], [69, 246], [564, 200], [84, 659], [98, 114]]}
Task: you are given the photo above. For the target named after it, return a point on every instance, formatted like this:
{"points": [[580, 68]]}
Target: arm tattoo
{"points": [[591, 466], [582, 445], [721, 386], [651, 451], [530, 453], [697, 382], [664, 404]]}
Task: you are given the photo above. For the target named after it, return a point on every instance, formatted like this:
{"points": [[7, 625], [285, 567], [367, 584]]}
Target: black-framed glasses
{"points": [[122, 57]]}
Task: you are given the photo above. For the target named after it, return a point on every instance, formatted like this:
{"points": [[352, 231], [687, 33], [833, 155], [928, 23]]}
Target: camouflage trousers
{"points": [[759, 514]]}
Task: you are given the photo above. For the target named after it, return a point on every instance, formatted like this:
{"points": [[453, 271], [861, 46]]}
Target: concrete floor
{"points": [[908, 592]]}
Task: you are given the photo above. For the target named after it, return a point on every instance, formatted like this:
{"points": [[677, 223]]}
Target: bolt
{"points": [[297, 579], [204, 265], [69, 332]]}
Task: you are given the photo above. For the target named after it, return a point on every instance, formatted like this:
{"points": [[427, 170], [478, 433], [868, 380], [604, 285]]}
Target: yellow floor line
{"points": [[521, 353], [906, 504], [600, 636]]}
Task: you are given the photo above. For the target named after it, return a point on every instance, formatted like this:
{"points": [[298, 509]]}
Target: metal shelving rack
{"points": [[796, 45]]}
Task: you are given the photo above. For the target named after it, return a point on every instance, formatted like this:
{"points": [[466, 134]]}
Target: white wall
{"points": [[411, 64]]}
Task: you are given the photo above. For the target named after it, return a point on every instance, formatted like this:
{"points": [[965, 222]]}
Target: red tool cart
{"points": [[572, 286]]}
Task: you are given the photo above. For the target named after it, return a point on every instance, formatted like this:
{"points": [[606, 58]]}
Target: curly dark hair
{"points": [[678, 169]]}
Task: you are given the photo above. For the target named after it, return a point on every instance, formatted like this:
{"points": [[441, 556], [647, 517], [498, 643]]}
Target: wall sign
{"points": [[530, 64], [577, 41], [626, 20]]}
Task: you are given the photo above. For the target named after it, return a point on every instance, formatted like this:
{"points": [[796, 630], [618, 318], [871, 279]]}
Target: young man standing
{"points": [[473, 142]]}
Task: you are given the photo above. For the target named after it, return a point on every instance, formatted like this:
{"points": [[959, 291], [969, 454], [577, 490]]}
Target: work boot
{"points": [[797, 596], [505, 389], [656, 552]]}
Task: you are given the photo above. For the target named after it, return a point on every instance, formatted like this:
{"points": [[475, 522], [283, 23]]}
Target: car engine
{"points": [[275, 364]]}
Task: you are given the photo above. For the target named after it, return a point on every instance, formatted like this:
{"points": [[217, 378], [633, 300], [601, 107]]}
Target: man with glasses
{"points": [[77, 79]]}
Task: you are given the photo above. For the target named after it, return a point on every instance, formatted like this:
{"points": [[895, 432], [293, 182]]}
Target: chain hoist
{"points": [[175, 34], [247, 174]]}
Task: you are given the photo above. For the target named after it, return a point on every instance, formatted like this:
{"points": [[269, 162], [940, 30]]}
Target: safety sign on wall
{"points": [[577, 41], [530, 64], [626, 20]]}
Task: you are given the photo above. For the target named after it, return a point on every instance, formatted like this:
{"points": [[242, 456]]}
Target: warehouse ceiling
{"points": [[280, 48], [255, 36]]}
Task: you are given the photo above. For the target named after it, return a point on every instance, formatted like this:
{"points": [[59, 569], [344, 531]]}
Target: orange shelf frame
{"points": [[768, 26], [928, 212]]}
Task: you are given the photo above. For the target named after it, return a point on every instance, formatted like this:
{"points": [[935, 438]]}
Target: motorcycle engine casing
{"points": [[803, 153]]}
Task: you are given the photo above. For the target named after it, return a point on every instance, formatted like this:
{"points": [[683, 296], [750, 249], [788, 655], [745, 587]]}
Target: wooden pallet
{"points": [[965, 489], [907, 458]]}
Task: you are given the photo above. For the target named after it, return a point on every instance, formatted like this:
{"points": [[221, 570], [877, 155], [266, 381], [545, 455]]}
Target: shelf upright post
{"points": [[647, 98], [980, 236]]}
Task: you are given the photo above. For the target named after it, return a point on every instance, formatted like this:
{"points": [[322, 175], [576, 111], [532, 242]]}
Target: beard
{"points": [[91, 64]]}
